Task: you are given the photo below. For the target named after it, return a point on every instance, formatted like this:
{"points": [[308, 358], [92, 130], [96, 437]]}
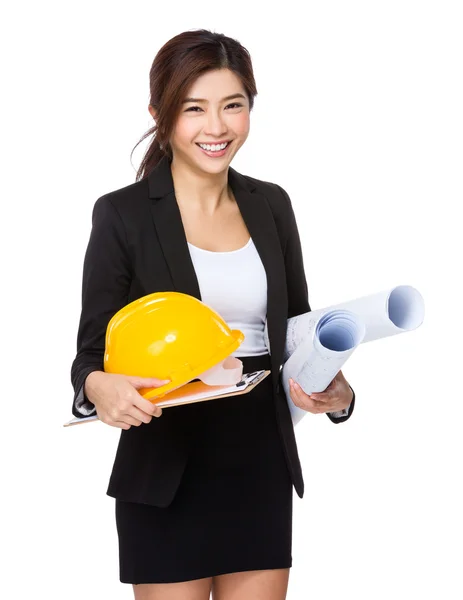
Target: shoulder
{"points": [[277, 199], [276, 195], [124, 201], [269, 187]]}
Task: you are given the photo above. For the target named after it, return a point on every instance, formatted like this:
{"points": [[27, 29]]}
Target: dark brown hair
{"points": [[175, 67]]}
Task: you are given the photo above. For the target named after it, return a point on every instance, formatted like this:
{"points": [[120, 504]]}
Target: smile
{"points": [[214, 150]]}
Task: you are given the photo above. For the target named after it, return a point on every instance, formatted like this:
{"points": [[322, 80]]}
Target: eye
{"points": [[191, 109]]}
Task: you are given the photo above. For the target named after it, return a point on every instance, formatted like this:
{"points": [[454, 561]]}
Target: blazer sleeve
{"points": [[106, 281], [296, 282]]}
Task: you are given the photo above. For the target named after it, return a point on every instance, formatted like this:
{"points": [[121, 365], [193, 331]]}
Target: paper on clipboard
{"points": [[197, 391]]}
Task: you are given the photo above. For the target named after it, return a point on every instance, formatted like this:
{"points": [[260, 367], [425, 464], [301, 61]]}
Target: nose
{"points": [[215, 124]]}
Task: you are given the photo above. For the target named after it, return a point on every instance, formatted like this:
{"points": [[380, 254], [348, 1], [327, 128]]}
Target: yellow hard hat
{"points": [[168, 335]]}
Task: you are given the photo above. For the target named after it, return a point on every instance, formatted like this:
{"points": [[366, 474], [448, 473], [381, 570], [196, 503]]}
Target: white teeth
{"points": [[213, 147]]}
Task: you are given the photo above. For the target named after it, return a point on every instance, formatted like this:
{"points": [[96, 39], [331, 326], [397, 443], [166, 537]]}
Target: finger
{"points": [[129, 420], [320, 397], [340, 377], [120, 424], [324, 406], [147, 382], [121, 416], [327, 395], [293, 394], [307, 400], [114, 422], [136, 413], [330, 388], [301, 399], [146, 406], [316, 396]]}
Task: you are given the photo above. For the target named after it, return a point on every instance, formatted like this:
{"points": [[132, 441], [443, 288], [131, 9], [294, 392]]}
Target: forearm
{"points": [[81, 377]]}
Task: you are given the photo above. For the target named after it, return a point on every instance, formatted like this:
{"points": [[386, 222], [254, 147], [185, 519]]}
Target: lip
{"points": [[215, 143], [217, 154]]}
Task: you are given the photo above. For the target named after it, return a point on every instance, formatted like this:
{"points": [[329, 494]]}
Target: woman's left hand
{"points": [[337, 396]]}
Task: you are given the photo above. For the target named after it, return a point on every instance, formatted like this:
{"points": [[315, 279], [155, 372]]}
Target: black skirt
{"points": [[233, 509]]}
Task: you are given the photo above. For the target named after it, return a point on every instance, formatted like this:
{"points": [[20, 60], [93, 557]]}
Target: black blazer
{"points": [[138, 246]]}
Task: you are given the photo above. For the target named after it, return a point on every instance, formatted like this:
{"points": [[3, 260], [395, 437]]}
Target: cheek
{"points": [[184, 131], [241, 124]]}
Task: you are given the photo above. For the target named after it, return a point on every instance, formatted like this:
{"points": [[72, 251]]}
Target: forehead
{"points": [[214, 85]]}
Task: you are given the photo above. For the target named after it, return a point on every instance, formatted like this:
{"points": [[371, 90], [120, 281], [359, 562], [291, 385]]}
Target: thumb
{"points": [[146, 382]]}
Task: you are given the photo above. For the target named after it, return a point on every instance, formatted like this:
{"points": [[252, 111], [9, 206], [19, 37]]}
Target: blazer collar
{"points": [[161, 183], [258, 217]]}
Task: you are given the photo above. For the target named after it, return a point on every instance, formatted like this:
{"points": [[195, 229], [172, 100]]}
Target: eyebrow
{"points": [[223, 99]]}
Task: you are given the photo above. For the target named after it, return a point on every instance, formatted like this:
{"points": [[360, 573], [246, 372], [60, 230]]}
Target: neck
{"points": [[196, 189]]}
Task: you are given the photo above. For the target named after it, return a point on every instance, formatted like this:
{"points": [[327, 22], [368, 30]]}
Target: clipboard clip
{"points": [[251, 378]]}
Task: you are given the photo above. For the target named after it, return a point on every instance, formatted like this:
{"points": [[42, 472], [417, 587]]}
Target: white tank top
{"points": [[235, 285]]}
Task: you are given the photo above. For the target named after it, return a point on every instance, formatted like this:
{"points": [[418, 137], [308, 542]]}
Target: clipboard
{"points": [[196, 391]]}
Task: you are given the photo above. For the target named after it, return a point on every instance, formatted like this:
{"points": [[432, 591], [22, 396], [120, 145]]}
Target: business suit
{"points": [[138, 246]]}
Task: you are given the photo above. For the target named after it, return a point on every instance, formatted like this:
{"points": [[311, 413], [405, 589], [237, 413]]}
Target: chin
{"points": [[211, 165]]}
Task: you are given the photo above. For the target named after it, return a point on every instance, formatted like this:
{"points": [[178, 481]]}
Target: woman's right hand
{"points": [[117, 400]]}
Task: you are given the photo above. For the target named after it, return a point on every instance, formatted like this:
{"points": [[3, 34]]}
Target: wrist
{"points": [[91, 381]]}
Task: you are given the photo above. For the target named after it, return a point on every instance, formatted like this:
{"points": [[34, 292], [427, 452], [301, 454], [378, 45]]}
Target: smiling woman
{"points": [[207, 125], [193, 80], [203, 493]]}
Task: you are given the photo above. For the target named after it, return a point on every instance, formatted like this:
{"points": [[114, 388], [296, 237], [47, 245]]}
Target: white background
{"points": [[359, 113]]}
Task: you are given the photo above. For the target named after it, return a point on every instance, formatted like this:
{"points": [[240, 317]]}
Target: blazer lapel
{"points": [[257, 215]]}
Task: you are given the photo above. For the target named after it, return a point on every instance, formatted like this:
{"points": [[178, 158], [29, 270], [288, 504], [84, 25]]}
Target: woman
{"points": [[203, 491]]}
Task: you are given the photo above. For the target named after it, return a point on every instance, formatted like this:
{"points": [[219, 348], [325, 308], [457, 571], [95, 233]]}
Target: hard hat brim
{"points": [[158, 393]]}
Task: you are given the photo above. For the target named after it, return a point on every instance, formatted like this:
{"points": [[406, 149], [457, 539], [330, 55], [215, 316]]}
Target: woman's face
{"points": [[211, 119]]}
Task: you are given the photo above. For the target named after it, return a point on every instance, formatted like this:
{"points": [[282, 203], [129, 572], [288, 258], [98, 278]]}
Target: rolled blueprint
{"points": [[321, 354], [314, 361], [386, 313]]}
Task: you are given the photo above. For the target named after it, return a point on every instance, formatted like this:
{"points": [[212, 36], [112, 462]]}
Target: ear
{"points": [[152, 112]]}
